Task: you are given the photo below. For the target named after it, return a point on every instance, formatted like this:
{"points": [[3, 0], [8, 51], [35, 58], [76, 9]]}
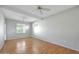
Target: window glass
{"points": [[21, 28]]}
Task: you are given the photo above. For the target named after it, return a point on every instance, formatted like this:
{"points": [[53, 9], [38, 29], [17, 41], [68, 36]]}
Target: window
{"points": [[36, 28], [21, 28]]}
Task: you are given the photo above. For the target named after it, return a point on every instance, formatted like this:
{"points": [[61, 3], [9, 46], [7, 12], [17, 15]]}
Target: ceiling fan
{"points": [[41, 9]]}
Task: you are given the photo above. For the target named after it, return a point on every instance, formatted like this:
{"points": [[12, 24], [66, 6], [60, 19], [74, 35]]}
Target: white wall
{"points": [[2, 34], [62, 29]]}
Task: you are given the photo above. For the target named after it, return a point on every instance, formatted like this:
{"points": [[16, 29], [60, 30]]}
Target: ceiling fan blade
{"points": [[45, 9], [41, 12]]}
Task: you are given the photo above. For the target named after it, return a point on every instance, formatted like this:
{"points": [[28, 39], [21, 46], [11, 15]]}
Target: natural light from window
{"points": [[21, 28], [36, 28]]}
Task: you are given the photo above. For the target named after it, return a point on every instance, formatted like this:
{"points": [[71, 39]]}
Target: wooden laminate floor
{"points": [[34, 46]]}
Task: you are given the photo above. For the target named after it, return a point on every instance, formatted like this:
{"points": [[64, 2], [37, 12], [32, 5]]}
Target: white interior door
{"points": [[2, 32]]}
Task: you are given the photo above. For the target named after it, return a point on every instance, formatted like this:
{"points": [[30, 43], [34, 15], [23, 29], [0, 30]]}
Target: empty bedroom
{"points": [[39, 29]]}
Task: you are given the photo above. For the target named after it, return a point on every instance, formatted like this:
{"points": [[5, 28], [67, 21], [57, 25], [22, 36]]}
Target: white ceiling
{"points": [[18, 16], [31, 11]]}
